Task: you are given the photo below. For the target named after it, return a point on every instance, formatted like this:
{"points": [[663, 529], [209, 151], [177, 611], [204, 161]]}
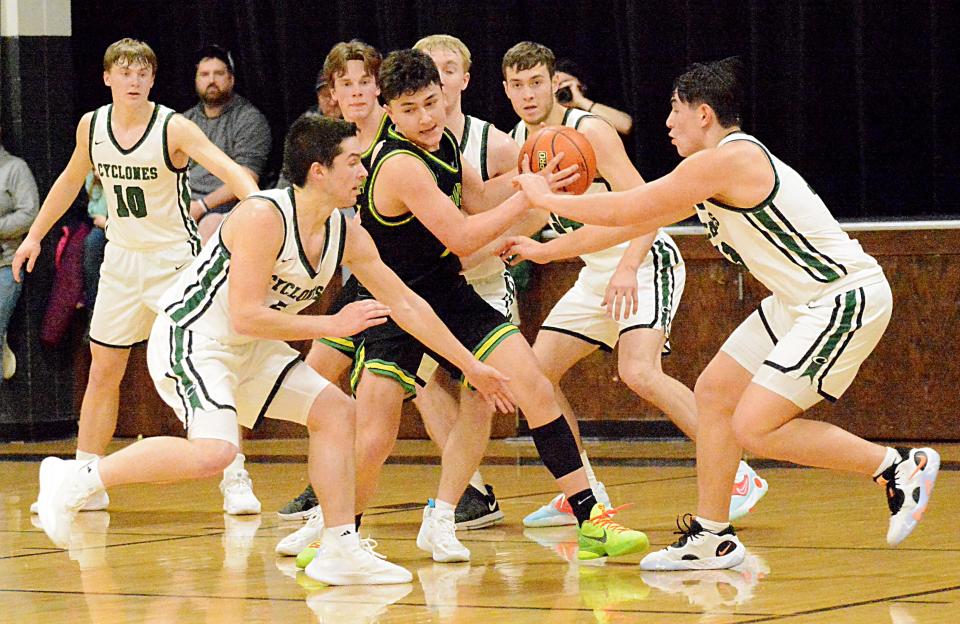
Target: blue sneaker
{"points": [[748, 489]]}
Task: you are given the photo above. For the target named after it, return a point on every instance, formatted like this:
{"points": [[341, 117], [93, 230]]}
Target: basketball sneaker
{"points": [[748, 489], [601, 537], [98, 501], [908, 483], [305, 556], [301, 506], [347, 561], [477, 510], [61, 497], [697, 549], [238, 496], [558, 511], [438, 536], [9, 361], [293, 544]]}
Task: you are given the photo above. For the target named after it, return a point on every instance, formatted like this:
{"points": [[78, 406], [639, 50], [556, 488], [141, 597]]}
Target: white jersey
{"points": [[600, 262], [473, 148], [148, 199], [200, 299], [789, 241]]}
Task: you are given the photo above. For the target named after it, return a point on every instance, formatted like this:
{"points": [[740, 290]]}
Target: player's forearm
{"points": [[267, 323], [497, 190], [589, 239], [617, 118], [238, 183], [418, 319], [58, 200], [481, 229], [637, 250]]}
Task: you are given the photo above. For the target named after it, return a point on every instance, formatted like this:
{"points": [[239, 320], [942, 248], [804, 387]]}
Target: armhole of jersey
{"points": [[166, 149], [93, 125], [343, 238], [462, 144], [371, 204], [484, 170], [769, 199], [283, 220]]}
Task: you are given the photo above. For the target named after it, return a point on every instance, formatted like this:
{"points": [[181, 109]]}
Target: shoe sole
{"points": [[628, 549], [713, 563], [339, 578], [48, 490], [482, 522], [241, 512], [296, 515], [926, 489], [551, 521]]}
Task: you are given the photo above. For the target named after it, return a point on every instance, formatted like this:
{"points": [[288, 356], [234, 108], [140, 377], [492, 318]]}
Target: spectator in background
{"points": [[96, 240], [19, 203], [326, 105], [231, 123], [571, 92]]}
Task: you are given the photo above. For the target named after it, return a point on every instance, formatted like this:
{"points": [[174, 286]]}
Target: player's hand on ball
{"points": [[534, 186], [620, 298], [556, 179], [359, 315], [492, 386], [516, 249]]}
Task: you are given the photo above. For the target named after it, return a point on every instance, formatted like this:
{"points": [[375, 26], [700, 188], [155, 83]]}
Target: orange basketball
{"points": [[547, 142]]}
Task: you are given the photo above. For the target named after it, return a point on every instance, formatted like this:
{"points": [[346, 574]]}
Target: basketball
{"points": [[547, 142]]}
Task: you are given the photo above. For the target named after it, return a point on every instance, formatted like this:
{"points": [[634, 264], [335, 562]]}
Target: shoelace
{"points": [[369, 545], [688, 530], [447, 533], [606, 521], [240, 479], [888, 479], [315, 519]]}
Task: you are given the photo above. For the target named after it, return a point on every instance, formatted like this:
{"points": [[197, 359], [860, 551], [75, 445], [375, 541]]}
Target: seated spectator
{"points": [[96, 240], [234, 125], [326, 105], [571, 92], [19, 203]]}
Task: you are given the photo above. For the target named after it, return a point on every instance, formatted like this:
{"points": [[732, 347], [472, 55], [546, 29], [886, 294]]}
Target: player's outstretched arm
{"points": [[58, 200], [187, 137], [415, 316]]}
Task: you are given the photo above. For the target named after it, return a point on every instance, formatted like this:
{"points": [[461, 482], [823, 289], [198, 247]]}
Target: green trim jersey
{"points": [[789, 241], [603, 261], [405, 244], [200, 299], [148, 199], [366, 158], [473, 148]]}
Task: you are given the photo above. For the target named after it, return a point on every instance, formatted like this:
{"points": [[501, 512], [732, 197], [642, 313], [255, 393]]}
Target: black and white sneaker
{"points": [[908, 483], [697, 549], [301, 506], [477, 510]]}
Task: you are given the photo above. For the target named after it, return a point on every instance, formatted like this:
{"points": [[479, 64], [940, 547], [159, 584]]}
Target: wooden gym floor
{"points": [[166, 553]]}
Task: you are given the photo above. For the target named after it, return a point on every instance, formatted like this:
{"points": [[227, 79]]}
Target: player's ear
{"points": [[706, 114], [106, 78], [466, 80]]}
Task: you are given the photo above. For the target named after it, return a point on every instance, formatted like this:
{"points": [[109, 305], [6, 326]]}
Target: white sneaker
{"points": [[291, 545], [356, 605], [238, 496], [748, 489], [600, 493], [438, 536], [909, 483], [697, 549], [99, 501], [9, 361], [61, 497], [352, 563]]}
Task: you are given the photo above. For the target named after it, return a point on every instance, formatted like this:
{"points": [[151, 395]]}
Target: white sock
{"points": [[710, 525], [85, 456], [591, 478], [889, 459], [236, 465], [443, 508], [89, 475], [477, 481], [345, 534]]}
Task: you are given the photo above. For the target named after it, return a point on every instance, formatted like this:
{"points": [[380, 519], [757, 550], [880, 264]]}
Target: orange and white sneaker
{"points": [[697, 549], [908, 483], [748, 489]]}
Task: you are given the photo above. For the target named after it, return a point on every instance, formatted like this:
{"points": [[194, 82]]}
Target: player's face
{"points": [[214, 82], [452, 77], [328, 106], [685, 125], [345, 176], [420, 116], [356, 92], [129, 83], [531, 93]]}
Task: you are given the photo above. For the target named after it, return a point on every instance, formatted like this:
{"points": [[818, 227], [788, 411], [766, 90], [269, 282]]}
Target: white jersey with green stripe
{"points": [[606, 260], [148, 199], [473, 149], [200, 299], [789, 241]]}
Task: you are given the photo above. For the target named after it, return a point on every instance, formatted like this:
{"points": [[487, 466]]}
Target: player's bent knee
{"points": [[213, 455], [332, 409], [748, 435], [641, 380]]}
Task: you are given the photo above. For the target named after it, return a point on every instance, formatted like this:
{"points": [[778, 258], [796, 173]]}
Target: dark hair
{"points": [[527, 55], [354, 50], [717, 84], [214, 51], [406, 71], [312, 139]]}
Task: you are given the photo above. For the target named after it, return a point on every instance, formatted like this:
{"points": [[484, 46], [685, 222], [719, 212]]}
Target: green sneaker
{"points": [[307, 554], [601, 537], [300, 507]]}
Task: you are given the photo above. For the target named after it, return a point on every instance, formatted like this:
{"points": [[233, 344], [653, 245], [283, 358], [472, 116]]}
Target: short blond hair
{"points": [[445, 42], [128, 52]]}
